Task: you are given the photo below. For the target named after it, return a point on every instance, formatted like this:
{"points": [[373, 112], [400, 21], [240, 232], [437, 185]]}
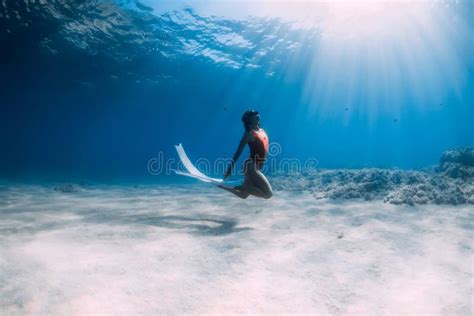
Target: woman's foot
{"points": [[240, 194]]}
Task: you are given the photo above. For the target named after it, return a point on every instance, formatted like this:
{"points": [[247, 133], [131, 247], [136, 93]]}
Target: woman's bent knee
{"points": [[268, 195]]}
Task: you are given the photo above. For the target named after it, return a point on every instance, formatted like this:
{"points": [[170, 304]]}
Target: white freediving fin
{"points": [[193, 172]]}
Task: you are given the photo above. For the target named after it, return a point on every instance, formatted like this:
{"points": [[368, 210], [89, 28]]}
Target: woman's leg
{"points": [[260, 181], [235, 190], [240, 189], [256, 183]]}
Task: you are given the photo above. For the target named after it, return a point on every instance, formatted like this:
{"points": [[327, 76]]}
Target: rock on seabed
{"points": [[451, 182]]}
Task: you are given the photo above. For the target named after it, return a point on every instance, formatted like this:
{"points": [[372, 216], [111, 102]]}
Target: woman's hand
{"points": [[228, 171]]}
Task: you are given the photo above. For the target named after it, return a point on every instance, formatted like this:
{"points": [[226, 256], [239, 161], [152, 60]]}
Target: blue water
{"points": [[96, 89]]}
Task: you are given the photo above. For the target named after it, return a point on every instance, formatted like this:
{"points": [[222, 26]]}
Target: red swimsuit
{"points": [[259, 147]]}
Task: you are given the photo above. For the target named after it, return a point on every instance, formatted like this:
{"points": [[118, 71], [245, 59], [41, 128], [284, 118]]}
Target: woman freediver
{"points": [[255, 183]]}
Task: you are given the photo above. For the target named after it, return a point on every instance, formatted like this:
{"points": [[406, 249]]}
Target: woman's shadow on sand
{"points": [[199, 225]]}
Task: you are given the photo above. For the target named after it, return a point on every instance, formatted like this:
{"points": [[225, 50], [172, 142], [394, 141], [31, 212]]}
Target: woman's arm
{"points": [[243, 142]]}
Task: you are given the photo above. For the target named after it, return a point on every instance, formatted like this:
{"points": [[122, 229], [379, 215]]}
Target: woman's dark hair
{"points": [[250, 116]]}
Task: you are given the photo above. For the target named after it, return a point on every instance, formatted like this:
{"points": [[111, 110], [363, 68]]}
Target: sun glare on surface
{"points": [[377, 56], [383, 54]]}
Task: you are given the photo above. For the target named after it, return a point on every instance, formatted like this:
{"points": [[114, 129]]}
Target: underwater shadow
{"points": [[202, 226], [197, 225]]}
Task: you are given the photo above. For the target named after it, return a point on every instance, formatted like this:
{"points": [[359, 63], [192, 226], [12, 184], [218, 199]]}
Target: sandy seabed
{"points": [[198, 250]]}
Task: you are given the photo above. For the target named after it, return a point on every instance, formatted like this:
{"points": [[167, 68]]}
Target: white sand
{"points": [[201, 250]]}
